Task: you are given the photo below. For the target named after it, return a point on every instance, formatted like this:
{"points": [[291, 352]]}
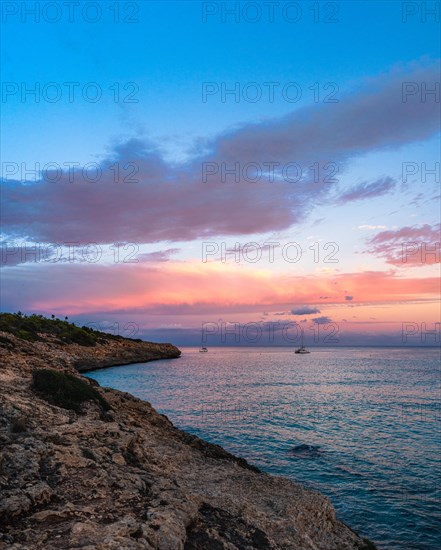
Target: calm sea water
{"points": [[370, 416]]}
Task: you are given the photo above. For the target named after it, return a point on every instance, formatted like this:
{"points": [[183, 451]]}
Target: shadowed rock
{"points": [[306, 451]]}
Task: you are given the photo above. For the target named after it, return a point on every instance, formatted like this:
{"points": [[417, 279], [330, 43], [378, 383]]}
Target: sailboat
{"points": [[202, 349], [302, 348]]}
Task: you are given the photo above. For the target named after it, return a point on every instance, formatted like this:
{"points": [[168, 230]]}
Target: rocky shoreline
{"points": [[121, 476], [122, 352]]}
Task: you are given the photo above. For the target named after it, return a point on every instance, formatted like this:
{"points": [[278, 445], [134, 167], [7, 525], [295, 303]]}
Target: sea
{"points": [[361, 425]]}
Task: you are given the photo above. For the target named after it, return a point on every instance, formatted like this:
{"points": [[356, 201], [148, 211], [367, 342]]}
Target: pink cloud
{"points": [[409, 246], [174, 288]]}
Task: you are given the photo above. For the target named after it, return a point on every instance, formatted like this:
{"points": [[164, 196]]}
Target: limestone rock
{"points": [[128, 479]]}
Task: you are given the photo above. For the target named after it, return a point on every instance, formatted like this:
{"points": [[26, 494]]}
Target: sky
{"points": [[225, 173]]}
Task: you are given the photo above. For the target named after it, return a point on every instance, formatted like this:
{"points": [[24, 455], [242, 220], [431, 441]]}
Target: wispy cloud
{"points": [[158, 256], [371, 227], [366, 190]]}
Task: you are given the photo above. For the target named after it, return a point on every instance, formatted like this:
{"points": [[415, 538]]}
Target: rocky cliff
{"points": [[88, 467], [118, 352]]}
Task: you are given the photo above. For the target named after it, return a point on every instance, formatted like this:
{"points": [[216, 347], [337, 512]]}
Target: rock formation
{"points": [[121, 476]]}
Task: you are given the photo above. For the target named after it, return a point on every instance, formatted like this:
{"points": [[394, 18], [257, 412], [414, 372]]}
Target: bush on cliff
{"points": [[65, 390], [31, 327]]}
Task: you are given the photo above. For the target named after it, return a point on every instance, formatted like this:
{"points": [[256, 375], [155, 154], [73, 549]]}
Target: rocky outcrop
{"points": [[123, 477], [119, 352]]}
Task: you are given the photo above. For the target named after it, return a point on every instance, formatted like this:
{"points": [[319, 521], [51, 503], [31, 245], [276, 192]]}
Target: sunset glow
{"points": [[194, 203]]}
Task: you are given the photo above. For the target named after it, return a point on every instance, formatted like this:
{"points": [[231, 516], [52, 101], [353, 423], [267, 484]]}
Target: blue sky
{"points": [[170, 53], [163, 62]]}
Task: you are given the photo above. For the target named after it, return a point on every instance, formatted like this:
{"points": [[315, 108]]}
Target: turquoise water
{"points": [[370, 416]]}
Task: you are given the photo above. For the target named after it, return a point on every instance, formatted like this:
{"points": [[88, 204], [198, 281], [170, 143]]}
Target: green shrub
{"points": [[79, 336], [65, 390], [26, 335], [31, 327]]}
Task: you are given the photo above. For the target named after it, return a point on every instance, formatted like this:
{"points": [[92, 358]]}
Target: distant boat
{"points": [[302, 350], [203, 349]]}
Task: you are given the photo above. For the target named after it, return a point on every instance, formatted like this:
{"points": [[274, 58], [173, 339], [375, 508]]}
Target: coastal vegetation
{"points": [[65, 390], [34, 328]]}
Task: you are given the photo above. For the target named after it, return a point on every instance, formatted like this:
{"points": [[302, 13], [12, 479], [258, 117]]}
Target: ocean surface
{"points": [[360, 425]]}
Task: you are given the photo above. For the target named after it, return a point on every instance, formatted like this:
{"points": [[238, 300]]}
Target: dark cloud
{"points": [[305, 310], [155, 200], [322, 320], [349, 298]]}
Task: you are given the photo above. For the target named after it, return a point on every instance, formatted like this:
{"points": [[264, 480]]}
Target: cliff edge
{"points": [[88, 467]]}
